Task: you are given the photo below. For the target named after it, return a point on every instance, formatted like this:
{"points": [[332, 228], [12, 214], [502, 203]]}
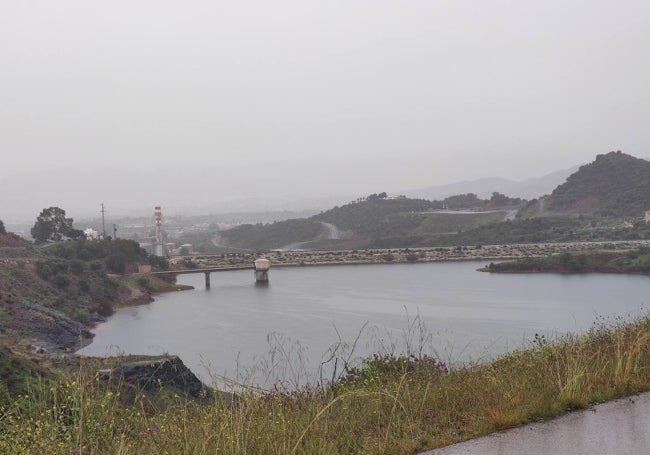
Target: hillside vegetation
{"points": [[376, 221], [11, 240], [49, 293], [17, 375], [273, 235], [591, 205], [633, 261], [614, 185]]}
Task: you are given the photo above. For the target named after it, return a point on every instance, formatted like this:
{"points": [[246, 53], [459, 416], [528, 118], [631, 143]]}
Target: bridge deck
{"points": [[204, 270]]}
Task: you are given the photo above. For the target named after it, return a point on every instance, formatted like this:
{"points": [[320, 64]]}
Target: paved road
{"points": [[618, 427]]}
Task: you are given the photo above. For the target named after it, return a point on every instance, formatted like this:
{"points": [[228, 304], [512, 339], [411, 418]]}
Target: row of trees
{"points": [[471, 200]]}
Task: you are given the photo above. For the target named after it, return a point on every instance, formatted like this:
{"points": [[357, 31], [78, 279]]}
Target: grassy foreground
{"points": [[390, 405]]}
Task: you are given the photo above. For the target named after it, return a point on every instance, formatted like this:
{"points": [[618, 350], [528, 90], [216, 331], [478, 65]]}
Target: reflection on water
{"points": [[304, 311]]}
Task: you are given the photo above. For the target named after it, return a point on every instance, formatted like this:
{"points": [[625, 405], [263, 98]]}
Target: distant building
{"points": [[91, 234], [647, 216]]}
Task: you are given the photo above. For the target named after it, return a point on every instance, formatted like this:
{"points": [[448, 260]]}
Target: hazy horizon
{"points": [[200, 105], [80, 201]]}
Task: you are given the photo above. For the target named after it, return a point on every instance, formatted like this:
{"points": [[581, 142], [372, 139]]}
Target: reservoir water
{"points": [[286, 329]]}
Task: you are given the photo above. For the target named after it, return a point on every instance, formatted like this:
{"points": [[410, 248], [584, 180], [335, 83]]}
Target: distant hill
{"points": [[373, 222], [525, 189], [615, 184], [270, 236], [370, 217], [363, 220]]}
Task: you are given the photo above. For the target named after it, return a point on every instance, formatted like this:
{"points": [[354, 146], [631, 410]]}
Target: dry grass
{"points": [[391, 405]]}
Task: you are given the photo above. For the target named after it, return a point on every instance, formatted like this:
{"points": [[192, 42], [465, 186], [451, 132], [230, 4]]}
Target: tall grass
{"points": [[388, 405]]}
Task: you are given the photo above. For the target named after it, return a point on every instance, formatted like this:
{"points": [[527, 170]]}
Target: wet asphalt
{"points": [[619, 427]]}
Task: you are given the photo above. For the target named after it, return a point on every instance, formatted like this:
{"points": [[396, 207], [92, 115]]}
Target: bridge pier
{"points": [[265, 265], [261, 276], [262, 267]]}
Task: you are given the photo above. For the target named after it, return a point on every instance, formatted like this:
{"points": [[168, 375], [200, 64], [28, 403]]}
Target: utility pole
{"points": [[103, 210], [114, 231]]}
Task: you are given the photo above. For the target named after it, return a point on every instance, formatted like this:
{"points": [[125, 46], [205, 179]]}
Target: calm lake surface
{"points": [[306, 310]]}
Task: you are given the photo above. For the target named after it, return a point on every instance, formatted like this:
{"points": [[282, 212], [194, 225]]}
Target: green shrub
{"points": [[144, 283], [81, 315], [84, 286], [77, 266], [43, 270], [61, 281], [116, 263], [58, 266]]}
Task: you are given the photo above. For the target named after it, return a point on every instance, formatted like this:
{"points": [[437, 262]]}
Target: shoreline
{"points": [[502, 252], [565, 272], [506, 252], [621, 262]]}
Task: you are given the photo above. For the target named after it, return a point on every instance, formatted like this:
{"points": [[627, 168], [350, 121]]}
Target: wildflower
{"points": [[442, 367]]}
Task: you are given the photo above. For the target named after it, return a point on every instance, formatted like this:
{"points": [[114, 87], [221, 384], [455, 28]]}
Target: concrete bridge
{"points": [[261, 267], [206, 271]]}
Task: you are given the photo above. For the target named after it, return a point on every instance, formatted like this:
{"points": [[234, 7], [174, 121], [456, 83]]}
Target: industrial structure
{"points": [[159, 245], [156, 245]]}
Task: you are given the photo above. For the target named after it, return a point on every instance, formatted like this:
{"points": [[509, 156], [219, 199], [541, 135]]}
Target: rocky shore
{"points": [[151, 374], [47, 330]]}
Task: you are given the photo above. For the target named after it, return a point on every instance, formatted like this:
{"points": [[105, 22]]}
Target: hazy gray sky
{"points": [[313, 97]]}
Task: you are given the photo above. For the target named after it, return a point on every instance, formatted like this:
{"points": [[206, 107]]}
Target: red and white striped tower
{"points": [[159, 247]]}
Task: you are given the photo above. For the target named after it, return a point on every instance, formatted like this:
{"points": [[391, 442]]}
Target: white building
{"points": [[91, 234]]}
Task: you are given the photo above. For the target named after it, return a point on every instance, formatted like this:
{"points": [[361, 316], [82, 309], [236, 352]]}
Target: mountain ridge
{"points": [[484, 187]]}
